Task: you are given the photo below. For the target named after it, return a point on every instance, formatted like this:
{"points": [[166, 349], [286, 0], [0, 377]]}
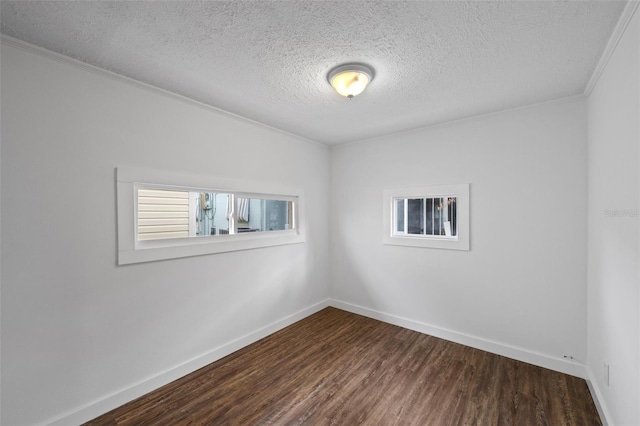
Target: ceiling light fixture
{"points": [[349, 80]]}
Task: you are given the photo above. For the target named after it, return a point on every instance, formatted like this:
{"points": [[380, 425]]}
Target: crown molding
{"points": [[457, 121], [45, 53], [618, 31]]}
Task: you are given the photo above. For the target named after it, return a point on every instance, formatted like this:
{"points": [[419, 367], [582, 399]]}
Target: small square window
{"points": [[429, 216]]}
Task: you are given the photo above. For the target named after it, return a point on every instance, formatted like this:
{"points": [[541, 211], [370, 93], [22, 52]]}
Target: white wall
{"points": [[520, 290], [76, 328], [613, 245]]}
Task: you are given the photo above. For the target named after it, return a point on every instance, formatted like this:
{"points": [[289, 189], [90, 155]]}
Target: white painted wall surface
{"points": [[613, 245], [76, 328], [521, 289]]}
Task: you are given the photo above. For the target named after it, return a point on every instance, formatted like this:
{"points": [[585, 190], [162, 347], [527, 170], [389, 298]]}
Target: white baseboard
{"points": [[598, 398], [562, 365], [118, 398]]}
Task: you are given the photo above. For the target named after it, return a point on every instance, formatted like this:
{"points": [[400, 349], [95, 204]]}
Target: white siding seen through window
{"points": [[162, 214]]}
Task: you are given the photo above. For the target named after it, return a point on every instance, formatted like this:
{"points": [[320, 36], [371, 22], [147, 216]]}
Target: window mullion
{"points": [[406, 216], [233, 220], [424, 216]]}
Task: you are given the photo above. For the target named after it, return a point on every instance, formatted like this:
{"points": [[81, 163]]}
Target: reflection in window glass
{"points": [[267, 215], [211, 213], [278, 215], [429, 216], [415, 216]]}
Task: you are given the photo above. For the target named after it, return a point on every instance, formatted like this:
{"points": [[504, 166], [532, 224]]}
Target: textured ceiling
{"points": [[268, 60]]}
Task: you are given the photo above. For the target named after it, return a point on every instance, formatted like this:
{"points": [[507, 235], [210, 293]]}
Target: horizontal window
{"points": [[163, 215], [167, 213], [427, 216]]}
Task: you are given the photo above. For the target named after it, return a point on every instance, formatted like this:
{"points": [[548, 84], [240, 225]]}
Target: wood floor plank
{"points": [[338, 368]]}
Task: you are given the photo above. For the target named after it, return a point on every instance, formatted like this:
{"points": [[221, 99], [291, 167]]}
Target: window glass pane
{"points": [[429, 216], [415, 216], [451, 202], [162, 214], [400, 215], [444, 217], [278, 215], [211, 213], [438, 216], [257, 215]]}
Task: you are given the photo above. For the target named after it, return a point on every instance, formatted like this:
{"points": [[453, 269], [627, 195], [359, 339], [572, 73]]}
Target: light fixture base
{"points": [[350, 80]]}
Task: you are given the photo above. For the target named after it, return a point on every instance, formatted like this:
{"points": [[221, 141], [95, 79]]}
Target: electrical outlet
{"points": [[605, 373]]}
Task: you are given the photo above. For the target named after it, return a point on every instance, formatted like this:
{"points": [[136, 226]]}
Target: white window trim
{"points": [[130, 250], [461, 192]]}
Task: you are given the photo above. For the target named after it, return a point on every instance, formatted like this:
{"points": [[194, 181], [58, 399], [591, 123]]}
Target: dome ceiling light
{"points": [[350, 80]]}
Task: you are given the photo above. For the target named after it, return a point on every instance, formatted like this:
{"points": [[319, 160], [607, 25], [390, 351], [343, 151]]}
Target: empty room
{"points": [[320, 213]]}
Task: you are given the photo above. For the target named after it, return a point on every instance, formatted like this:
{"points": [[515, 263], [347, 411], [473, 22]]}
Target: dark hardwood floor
{"points": [[337, 368]]}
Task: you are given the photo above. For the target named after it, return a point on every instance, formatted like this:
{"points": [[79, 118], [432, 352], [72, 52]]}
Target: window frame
{"points": [[459, 191], [131, 250], [405, 217]]}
